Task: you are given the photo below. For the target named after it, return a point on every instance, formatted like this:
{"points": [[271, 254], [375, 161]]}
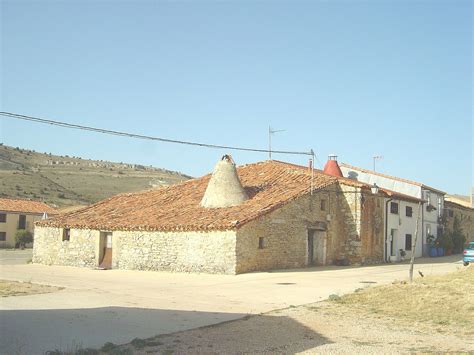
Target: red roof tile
{"points": [[400, 196], [448, 204], [24, 206], [269, 184]]}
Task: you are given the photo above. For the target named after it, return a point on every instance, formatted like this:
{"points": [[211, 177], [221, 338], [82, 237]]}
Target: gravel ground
{"points": [[13, 288], [325, 327]]}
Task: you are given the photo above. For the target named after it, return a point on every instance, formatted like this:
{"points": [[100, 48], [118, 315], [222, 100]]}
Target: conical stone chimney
{"points": [[224, 188]]}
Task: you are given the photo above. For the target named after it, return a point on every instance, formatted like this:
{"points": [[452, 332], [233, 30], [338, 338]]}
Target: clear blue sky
{"points": [[355, 78]]}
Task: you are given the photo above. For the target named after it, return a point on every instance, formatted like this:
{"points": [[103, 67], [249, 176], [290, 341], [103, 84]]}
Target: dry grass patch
{"points": [[13, 288], [446, 300]]}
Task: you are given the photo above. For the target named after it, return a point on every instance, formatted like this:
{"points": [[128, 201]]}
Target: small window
{"points": [[323, 205], [450, 213], [261, 243], [428, 197], [3, 236], [428, 230], [409, 211], [66, 234], [3, 217], [22, 222], [408, 242], [394, 207]]}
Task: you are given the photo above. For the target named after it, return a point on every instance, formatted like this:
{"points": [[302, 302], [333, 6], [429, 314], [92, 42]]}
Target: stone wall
{"points": [[372, 229], [356, 228], [211, 252], [465, 216], [350, 227], [284, 233], [81, 250]]}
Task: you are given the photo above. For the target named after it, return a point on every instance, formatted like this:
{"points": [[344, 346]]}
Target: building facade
{"points": [[403, 227], [465, 216], [18, 214], [433, 199], [273, 215]]}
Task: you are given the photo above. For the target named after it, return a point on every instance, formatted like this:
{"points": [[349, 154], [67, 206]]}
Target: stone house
{"points": [[19, 214], [433, 199], [260, 216], [464, 214]]}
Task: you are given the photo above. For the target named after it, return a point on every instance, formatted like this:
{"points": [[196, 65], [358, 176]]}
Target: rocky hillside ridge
{"points": [[67, 181]]}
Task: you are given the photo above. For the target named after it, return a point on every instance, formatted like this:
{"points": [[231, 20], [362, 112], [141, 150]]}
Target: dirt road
{"points": [[117, 305]]}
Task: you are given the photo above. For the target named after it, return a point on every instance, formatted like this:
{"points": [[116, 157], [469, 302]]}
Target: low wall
{"points": [[209, 252], [81, 250]]}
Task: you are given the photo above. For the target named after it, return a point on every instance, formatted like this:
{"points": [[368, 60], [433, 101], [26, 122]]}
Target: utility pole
{"points": [[413, 248], [377, 157], [270, 132]]}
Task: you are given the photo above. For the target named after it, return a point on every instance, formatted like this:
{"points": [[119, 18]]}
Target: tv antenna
{"points": [[375, 158], [270, 132]]}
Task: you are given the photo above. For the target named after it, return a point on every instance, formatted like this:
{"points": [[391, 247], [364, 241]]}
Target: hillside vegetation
{"points": [[67, 181]]}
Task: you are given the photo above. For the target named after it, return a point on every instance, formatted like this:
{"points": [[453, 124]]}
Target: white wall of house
{"points": [[399, 226], [430, 218]]}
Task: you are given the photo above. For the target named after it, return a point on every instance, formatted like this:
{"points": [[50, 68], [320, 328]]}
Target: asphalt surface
{"points": [[15, 257], [119, 305]]}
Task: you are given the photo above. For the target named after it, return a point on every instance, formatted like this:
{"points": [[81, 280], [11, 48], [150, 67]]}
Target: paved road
{"points": [[15, 257], [118, 305]]}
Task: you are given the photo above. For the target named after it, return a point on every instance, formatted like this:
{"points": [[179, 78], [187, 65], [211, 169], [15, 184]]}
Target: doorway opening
{"points": [[316, 247], [105, 248]]}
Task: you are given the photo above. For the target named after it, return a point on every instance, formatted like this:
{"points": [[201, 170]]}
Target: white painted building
{"points": [[432, 207], [401, 219]]}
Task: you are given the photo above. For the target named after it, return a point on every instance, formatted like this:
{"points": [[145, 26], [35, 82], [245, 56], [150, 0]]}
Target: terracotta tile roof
{"points": [[459, 200], [269, 184], [454, 204], [70, 208], [400, 196], [25, 206], [390, 177]]}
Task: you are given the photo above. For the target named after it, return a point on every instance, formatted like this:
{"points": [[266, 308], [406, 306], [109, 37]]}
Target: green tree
{"points": [[446, 240], [23, 237], [458, 237]]}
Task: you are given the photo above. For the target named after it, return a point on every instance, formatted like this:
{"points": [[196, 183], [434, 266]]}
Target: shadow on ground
{"points": [[38, 331], [260, 334]]}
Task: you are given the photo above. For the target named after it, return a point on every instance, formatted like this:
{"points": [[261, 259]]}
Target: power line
{"points": [[139, 136]]}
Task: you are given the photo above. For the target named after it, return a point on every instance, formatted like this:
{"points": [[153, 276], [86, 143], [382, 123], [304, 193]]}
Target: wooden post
{"points": [[413, 248]]}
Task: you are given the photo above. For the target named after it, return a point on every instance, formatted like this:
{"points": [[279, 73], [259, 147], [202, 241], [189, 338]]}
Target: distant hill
{"points": [[67, 181]]}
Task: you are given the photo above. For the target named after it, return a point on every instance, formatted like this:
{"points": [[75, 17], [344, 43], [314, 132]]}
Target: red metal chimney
{"points": [[332, 167]]}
